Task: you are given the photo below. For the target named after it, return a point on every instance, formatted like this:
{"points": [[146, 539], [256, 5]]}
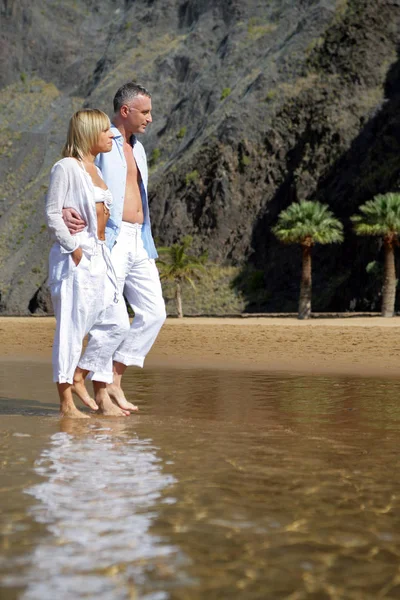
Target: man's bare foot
{"points": [[116, 393], [70, 411], [107, 406], [79, 389]]}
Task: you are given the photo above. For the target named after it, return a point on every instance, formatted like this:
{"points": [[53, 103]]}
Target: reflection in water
{"points": [[97, 499], [227, 485]]}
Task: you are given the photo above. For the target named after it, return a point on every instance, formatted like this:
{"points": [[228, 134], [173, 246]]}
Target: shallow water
{"points": [[227, 485]]}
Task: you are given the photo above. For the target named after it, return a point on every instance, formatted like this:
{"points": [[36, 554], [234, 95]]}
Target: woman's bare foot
{"points": [[116, 393], [106, 405], [67, 406], [72, 412], [79, 389]]}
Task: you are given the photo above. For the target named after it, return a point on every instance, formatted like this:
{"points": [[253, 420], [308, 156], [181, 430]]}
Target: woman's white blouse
{"points": [[70, 187]]}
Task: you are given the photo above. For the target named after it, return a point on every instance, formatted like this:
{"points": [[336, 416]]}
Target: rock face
{"points": [[256, 104]]}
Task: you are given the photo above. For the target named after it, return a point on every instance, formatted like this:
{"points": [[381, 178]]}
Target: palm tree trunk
{"points": [[389, 282], [178, 300], [306, 284]]}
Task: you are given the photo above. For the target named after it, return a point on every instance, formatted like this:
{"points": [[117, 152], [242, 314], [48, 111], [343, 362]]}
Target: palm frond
{"points": [[379, 216], [176, 265], [308, 220]]}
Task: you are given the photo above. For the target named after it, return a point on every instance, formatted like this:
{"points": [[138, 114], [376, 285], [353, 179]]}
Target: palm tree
{"points": [[307, 223], [381, 216], [179, 267]]}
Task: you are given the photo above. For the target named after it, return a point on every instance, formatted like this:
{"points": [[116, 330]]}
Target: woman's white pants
{"points": [[80, 302]]}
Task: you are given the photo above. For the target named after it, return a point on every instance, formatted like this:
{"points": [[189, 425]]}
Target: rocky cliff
{"points": [[256, 103]]}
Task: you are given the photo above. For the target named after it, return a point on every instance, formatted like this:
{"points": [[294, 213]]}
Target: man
{"points": [[129, 238]]}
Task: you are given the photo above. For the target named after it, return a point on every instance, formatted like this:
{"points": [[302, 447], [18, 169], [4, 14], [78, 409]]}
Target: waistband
{"points": [[130, 227], [87, 239]]}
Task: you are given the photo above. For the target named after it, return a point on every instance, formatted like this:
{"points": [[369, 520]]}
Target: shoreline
{"points": [[365, 346]]}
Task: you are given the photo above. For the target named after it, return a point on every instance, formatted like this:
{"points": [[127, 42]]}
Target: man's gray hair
{"points": [[127, 92]]}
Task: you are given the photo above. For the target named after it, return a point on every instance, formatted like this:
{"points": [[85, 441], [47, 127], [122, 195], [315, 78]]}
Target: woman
{"points": [[81, 277]]}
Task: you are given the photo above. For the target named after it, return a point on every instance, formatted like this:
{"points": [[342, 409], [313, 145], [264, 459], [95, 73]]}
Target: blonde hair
{"points": [[84, 129]]}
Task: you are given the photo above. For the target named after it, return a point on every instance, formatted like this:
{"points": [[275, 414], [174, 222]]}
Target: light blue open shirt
{"points": [[113, 168]]}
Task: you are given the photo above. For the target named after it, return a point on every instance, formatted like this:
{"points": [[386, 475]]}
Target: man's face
{"points": [[139, 113]]}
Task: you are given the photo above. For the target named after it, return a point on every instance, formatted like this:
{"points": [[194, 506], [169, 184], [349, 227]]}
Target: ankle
{"points": [[101, 396], [80, 375], [67, 403]]}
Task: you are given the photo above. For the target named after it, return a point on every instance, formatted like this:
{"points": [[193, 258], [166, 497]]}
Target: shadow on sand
{"points": [[27, 408]]}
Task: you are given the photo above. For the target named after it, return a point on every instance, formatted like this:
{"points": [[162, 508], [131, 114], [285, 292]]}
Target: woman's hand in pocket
{"points": [[77, 256]]}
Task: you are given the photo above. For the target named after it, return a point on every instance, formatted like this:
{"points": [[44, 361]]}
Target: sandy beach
{"points": [[366, 346]]}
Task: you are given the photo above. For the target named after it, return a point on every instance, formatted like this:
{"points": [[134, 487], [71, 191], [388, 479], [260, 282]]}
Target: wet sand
{"points": [[365, 346]]}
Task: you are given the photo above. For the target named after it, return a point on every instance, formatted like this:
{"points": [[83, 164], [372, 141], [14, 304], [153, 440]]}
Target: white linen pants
{"points": [[80, 302], [139, 281]]}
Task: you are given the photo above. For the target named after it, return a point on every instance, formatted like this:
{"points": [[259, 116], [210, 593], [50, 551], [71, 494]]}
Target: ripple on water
{"points": [[98, 501]]}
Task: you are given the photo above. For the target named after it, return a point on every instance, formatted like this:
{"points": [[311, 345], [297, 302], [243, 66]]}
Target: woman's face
{"points": [[104, 142]]}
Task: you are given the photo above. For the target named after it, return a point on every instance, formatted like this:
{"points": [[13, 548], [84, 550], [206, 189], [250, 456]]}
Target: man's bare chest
{"points": [[132, 170]]}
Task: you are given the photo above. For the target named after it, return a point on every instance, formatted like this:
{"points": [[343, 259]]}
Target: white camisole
{"points": [[101, 195]]}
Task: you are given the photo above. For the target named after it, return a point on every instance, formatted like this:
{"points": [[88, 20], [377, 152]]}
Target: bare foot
{"points": [[116, 393], [107, 406], [70, 411], [80, 390], [67, 406]]}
